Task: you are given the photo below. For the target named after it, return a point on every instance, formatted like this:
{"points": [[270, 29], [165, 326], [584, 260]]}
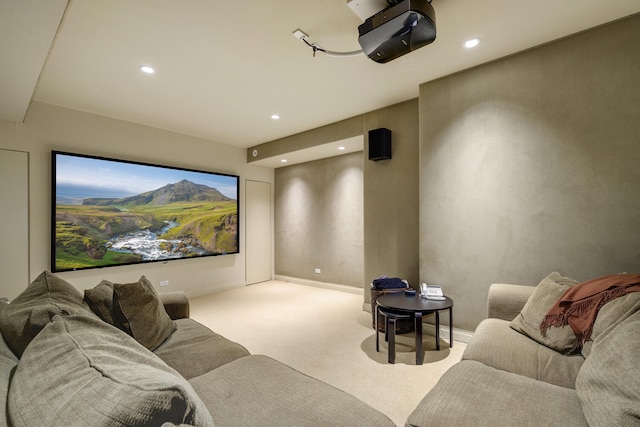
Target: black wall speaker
{"points": [[379, 144]]}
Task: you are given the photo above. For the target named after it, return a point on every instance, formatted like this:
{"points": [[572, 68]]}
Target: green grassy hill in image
{"points": [[201, 217]]}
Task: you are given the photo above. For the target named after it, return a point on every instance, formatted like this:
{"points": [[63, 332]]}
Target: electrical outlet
{"points": [[164, 283], [317, 271]]}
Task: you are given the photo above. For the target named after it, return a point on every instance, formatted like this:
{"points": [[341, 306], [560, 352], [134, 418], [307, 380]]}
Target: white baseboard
{"points": [[460, 335], [326, 285], [211, 290]]}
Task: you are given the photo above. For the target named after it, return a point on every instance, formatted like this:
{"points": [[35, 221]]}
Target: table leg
{"points": [[375, 325], [391, 326], [437, 330], [450, 326], [418, 327]]}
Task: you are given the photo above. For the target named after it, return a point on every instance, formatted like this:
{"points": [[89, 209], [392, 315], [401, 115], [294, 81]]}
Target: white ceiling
{"points": [[223, 68]]}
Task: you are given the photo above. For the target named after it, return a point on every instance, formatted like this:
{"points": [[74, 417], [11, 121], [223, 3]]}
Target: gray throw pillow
{"points": [[137, 310], [100, 300], [26, 315], [537, 306], [81, 371]]}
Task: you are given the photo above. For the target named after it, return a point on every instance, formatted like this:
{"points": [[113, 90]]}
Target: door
{"points": [[258, 231]]}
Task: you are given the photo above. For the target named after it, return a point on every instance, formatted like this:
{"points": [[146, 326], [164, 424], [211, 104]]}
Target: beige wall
{"points": [[48, 127], [14, 227], [319, 211], [380, 231], [530, 165]]}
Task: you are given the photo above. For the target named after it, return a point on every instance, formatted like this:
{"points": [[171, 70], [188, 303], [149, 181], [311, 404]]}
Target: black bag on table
{"points": [[389, 283]]}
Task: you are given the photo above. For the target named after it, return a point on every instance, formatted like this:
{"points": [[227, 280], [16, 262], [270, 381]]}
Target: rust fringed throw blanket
{"points": [[579, 305]]}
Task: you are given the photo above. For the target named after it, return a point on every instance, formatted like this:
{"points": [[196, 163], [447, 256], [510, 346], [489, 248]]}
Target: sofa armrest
{"points": [[176, 304], [506, 301]]}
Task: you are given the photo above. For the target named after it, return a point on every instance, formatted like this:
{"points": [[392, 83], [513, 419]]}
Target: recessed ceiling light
{"points": [[342, 148], [146, 69], [275, 116], [283, 161], [471, 43]]}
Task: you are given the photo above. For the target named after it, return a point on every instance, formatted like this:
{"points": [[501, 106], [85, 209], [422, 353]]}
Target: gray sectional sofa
{"points": [[512, 375], [122, 355]]}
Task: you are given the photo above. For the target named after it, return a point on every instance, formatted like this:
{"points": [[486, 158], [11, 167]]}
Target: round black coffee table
{"points": [[416, 307]]}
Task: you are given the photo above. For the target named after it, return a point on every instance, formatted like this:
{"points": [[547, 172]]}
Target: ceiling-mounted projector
{"points": [[398, 30]]}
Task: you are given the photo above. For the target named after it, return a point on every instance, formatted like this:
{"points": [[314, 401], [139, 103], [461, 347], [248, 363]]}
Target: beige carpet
{"points": [[325, 334]]}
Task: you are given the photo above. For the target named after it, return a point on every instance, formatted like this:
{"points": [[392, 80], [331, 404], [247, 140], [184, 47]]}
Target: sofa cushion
{"points": [[100, 300], [81, 371], [473, 394], [539, 303], [239, 394], [608, 384], [31, 311], [495, 344], [193, 349], [610, 315], [137, 309]]}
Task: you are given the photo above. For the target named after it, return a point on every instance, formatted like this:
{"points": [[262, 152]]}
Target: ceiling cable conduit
{"points": [[302, 36]]}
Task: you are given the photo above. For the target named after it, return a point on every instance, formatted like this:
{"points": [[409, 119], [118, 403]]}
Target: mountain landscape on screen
{"points": [[179, 220]]}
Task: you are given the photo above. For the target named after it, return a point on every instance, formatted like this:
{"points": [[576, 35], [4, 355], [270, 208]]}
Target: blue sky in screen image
{"points": [[84, 177]]}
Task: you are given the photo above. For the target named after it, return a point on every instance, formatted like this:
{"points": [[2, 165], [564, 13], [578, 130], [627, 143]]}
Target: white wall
{"points": [[48, 127]]}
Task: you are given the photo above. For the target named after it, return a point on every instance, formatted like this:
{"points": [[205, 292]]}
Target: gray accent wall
{"points": [[529, 165], [391, 198], [319, 211], [353, 230]]}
